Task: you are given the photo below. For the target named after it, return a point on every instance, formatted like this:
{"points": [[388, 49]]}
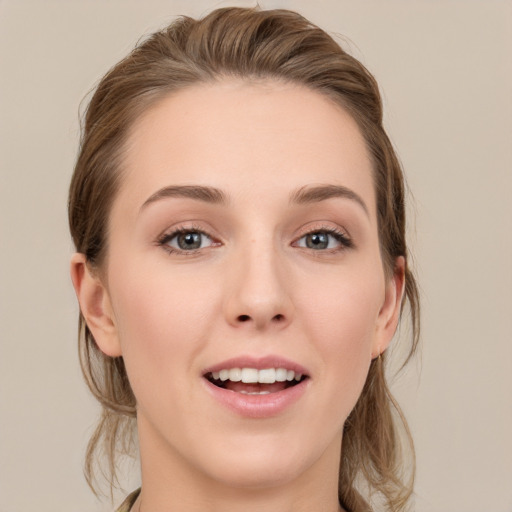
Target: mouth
{"points": [[253, 381], [257, 387]]}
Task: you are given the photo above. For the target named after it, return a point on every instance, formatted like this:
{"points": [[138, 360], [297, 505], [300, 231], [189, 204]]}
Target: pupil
{"points": [[317, 241], [189, 241]]}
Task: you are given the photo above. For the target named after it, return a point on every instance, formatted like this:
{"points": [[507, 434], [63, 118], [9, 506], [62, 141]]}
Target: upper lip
{"points": [[259, 363]]}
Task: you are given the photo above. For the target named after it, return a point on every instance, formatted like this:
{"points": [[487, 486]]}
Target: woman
{"points": [[241, 266]]}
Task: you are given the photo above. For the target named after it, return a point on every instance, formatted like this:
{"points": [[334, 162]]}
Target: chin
{"points": [[258, 476], [263, 463]]}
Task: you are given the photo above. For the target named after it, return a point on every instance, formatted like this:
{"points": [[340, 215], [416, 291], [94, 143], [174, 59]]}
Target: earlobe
{"points": [[95, 305], [389, 314]]}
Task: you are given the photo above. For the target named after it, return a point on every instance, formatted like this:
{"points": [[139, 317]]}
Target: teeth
{"points": [[254, 392], [249, 375], [254, 376], [267, 376], [281, 374], [235, 375]]}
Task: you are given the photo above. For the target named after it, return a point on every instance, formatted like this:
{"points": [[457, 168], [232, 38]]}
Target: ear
{"points": [[95, 305], [389, 313]]}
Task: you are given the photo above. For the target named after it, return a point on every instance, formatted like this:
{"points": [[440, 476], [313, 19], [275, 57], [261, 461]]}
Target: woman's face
{"points": [[243, 244]]}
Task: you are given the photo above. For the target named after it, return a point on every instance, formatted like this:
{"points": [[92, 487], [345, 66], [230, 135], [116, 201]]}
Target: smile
{"points": [[257, 388], [251, 381]]}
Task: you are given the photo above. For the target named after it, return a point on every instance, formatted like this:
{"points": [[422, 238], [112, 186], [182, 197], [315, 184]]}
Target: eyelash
{"points": [[164, 240], [340, 236], [344, 240]]}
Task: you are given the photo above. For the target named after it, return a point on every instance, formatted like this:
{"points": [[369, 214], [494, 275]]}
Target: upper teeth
{"points": [[252, 375]]}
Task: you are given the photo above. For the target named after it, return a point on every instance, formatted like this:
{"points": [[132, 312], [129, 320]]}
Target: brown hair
{"points": [[247, 44]]}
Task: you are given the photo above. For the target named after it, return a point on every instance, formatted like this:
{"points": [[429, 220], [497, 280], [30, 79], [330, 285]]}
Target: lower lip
{"points": [[257, 406]]}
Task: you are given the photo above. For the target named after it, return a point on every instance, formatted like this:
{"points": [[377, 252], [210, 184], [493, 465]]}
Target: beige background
{"points": [[446, 74]]}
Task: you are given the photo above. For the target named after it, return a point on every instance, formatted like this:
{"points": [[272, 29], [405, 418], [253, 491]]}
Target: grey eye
{"points": [[189, 241], [319, 240]]}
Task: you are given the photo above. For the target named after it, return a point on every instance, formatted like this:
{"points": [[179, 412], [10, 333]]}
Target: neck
{"points": [[233, 501], [171, 484]]}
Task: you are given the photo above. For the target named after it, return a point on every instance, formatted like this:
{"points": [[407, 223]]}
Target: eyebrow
{"points": [[314, 194], [304, 195], [198, 192]]}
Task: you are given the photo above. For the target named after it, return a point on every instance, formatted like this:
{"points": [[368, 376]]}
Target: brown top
{"points": [[129, 501]]}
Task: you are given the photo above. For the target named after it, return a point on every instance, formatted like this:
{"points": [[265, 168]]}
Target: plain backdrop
{"points": [[445, 71]]}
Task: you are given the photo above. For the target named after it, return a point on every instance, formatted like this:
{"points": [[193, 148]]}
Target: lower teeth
{"points": [[254, 392]]}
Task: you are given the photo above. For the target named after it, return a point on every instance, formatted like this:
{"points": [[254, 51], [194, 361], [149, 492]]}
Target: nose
{"points": [[258, 293]]}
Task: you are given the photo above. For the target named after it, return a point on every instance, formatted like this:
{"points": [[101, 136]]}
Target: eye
{"points": [[185, 240], [324, 239]]}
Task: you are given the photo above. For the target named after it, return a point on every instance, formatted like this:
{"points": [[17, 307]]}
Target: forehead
{"points": [[254, 139]]}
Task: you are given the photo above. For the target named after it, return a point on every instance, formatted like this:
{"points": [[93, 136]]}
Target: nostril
{"points": [[245, 318]]}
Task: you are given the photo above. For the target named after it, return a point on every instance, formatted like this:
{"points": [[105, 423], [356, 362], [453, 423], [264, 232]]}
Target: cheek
{"points": [[162, 319], [342, 321], [343, 309]]}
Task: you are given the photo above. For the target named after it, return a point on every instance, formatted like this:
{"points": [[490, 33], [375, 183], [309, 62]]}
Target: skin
{"points": [[254, 288]]}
